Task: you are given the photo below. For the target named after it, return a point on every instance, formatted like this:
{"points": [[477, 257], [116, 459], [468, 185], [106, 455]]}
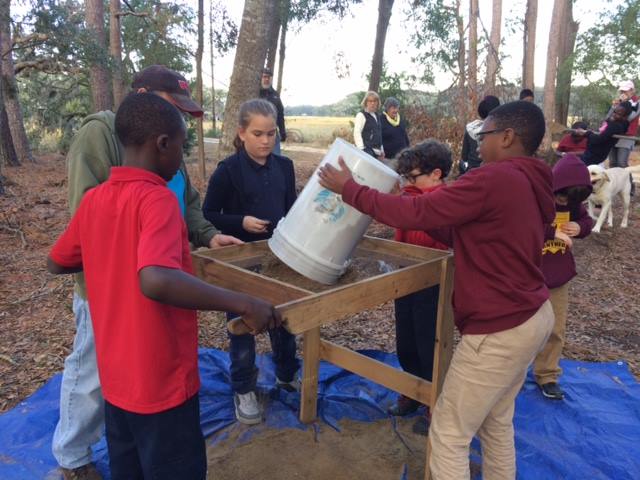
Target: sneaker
{"points": [[552, 390], [247, 408], [293, 386], [85, 472], [403, 406]]}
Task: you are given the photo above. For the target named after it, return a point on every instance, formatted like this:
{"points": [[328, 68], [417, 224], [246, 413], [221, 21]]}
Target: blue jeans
{"points": [[276, 148], [242, 352], [81, 403]]}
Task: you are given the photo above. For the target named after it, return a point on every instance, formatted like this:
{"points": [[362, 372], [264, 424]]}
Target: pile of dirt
{"points": [[360, 268]]}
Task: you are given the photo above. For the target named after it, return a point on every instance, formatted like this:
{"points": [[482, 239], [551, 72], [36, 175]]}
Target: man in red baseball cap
{"points": [[170, 85], [95, 149]]}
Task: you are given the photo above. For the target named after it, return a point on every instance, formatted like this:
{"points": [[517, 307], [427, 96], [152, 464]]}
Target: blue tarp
{"points": [[594, 433]]}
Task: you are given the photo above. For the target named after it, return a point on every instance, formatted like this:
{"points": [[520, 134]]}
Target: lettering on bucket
{"points": [[329, 205]]}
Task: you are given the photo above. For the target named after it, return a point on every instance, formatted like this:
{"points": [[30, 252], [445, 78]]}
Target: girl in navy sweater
{"points": [[248, 194]]}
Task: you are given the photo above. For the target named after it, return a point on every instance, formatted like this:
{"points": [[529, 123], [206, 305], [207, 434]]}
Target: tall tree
{"points": [[529, 44], [473, 52], [462, 98], [115, 49], [8, 150], [223, 36], [100, 91], [493, 55], [559, 7], [607, 52], [565, 64], [282, 52], [199, 95], [213, 83], [9, 87], [384, 16], [274, 34], [247, 66]]}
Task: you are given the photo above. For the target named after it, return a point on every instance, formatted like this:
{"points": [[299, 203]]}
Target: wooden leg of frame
{"points": [[311, 354], [444, 341]]}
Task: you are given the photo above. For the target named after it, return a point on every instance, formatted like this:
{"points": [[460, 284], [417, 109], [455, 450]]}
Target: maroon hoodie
{"points": [[558, 264], [497, 214]]}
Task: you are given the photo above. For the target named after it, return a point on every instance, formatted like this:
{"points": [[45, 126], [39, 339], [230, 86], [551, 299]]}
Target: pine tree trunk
{"points": [[284, 25], [462, 105], [199, 95], [247, 67], [9, 155], [115, 49], [493, 56], [473, 52], [384, 16], [274, 33], [559, 7], [529, 44], [10, 88], [98, 72], [213, 85], [565, 65]]}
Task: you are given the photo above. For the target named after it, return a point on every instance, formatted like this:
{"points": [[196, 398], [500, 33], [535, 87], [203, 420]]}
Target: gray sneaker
{"points": [[293, 386], [247, 408]]}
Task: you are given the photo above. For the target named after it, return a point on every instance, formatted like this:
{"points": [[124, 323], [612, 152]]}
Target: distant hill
{"points": [[350, 104]]}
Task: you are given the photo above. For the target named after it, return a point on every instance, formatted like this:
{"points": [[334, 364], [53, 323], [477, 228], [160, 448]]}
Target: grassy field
{"points": [[319, 131]]}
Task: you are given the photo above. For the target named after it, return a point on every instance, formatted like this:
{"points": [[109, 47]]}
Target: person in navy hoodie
{"points": [[248, 194], [424, 168], [571, 187]]}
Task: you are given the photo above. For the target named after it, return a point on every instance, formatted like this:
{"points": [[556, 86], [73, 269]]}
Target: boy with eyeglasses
{"points": [[424, 168], [494, 217]]}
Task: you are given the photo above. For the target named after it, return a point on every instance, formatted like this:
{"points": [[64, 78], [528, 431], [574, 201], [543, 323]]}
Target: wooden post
{"points": [[443, 350], [311, 366]]}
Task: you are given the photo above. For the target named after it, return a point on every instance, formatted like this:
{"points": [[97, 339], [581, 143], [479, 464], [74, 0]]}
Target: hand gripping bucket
{"points": [[320, 232]]}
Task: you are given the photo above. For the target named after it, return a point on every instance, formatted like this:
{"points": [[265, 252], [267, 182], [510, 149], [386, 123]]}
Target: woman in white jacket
{"points": [[367, 133]]}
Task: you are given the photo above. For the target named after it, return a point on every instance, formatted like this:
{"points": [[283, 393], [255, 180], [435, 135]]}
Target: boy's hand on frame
{"points": [[220, 240], [334, 179], [260, 316]]}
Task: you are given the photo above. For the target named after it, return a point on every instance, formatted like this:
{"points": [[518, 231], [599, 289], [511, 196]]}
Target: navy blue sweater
{"points": [[240, 186]]}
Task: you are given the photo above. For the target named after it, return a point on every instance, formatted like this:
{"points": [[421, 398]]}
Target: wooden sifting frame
{"points": [[305, 311]]}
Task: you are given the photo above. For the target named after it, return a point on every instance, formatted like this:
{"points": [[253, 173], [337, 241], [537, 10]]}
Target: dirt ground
{"points": [[37, 322]]}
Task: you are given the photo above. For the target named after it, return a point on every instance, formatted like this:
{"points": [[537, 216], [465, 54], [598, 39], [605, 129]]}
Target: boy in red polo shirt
{"points": [[129, 239], [494, 217]]}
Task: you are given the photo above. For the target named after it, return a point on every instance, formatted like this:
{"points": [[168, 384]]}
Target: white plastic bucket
{"points": [[320, 232]]}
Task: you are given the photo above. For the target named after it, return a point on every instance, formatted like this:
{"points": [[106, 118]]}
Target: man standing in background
{"points": [[271, 95]]}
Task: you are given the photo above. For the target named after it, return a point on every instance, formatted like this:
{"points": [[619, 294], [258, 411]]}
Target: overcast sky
{"points": [[310, 72]]}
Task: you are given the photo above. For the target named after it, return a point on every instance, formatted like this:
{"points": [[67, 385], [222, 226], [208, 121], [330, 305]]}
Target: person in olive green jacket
{"points": [[95, 149]]}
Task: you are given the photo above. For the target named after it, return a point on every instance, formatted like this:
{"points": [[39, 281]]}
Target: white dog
{"points": [[606, 185]]}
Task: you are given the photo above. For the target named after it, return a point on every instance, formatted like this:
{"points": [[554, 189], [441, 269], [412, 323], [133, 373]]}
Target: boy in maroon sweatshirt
{"points": [[571, 187], [494, 218]]}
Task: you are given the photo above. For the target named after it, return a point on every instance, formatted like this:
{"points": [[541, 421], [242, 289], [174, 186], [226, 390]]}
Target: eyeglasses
{"points": [[411, 178], [480, 135]]}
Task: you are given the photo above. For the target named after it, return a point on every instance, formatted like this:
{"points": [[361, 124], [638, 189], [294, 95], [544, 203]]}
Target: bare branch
{"points": [[133, 14]]}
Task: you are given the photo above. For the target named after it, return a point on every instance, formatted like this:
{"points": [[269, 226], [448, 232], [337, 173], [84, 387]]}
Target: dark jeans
{"points": [[158, 446], [416, 331], [242, 351]]}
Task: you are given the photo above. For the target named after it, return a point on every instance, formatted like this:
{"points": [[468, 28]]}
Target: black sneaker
{"points": [[403, 406], [552, 390]]}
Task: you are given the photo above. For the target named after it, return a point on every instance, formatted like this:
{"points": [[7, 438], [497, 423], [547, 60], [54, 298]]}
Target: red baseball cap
{"points": [[158, 78]]}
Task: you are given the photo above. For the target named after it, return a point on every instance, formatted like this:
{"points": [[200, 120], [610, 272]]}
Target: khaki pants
{"points": [[546, 366], [478, 396]]}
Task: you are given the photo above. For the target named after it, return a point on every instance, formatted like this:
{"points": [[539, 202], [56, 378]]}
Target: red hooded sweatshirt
{"points": [[418, 237], [496, 216]]}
